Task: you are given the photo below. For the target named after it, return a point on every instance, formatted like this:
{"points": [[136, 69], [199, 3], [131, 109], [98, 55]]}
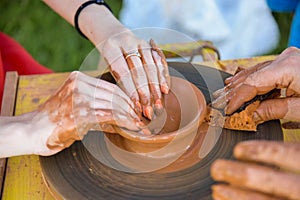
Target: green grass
{"points": [[45, 35], [284, 22], [55, 44]]}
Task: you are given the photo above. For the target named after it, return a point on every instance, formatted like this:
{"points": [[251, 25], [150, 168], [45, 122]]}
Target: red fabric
{"points": [[13, 57]]}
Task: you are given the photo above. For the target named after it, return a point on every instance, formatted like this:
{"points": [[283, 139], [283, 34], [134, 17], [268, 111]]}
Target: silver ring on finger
{"points": [[133, 54]]}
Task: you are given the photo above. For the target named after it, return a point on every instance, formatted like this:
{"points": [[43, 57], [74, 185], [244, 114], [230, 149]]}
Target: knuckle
{"points": [[293, 60], [110, 42], [291, 50], [74, 74], [144, 45]]}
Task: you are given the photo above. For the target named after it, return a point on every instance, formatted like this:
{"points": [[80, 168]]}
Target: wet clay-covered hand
{"points": [[85, 103], [82, 103], [140, 69], [260, 79], [265, 170]]}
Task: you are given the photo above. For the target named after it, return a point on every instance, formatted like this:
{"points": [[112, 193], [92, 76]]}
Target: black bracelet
{"points": [[99, 2]]}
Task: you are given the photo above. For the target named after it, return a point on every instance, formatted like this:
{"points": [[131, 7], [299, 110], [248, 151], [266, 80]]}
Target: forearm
{"points": [[14, 136], [95, 21]]}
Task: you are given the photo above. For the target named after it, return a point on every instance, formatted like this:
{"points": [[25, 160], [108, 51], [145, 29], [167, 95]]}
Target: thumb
{"points": [[271, 109], [284, 108]]}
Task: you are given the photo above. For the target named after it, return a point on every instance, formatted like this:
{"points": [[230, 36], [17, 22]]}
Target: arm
{"points": [[18, 135], [82, 103], [144, 78], [95, 21]]}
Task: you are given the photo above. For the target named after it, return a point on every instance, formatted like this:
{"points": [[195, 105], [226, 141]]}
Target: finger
{"points": [[293, 109], [162, 66], [116, 108], [221, 101], [227, 192], [276, 75], [66, 135], [63, 136], [254, 85], [152, 75], [107, 128], [108, 117], [284, 155], [141, 83], [222, 95], [219, 92], [101, 86], [288, 52], [272, 109], [55, 144], [102, 91], [102, 107], [116, 111], [122, 75], [242, 75], [99, 109], [255, 177], [238, 96]]}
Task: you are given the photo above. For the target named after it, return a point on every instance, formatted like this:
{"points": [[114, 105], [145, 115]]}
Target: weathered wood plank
{"points": [[7, 109]]}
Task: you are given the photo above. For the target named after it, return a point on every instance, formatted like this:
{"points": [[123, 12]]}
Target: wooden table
{"points": [[23, 178]]}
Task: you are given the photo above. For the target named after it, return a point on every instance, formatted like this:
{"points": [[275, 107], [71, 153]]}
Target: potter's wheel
{"points": [[75, 174]]}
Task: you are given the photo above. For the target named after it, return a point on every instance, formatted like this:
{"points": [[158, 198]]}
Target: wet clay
{"points": [[189, 158], [168, 120], [174, 132]]}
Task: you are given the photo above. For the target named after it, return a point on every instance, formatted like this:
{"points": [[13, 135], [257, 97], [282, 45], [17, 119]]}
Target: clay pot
{"points": [[173, 130]]}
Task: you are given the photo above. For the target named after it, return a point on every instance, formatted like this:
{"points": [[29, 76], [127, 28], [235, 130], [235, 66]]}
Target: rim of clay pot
{"points": [[183, 131]]}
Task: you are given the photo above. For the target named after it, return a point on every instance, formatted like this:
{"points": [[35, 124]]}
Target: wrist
{"points": [[40, 130], [14, 135], [97, 23]]}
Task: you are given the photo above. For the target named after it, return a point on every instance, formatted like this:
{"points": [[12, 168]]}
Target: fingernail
{"points": [[140, 125], [138, 107], [149, 112], [218, 93], [158, 105], [165, 89], [228, 79], [228, 86], [256, 117], [227, 111], [146, 132], [220, 102]]}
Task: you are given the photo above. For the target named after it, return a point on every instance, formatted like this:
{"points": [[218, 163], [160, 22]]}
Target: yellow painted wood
{"points": [[23, 176], [291, 135], [8, 107], [230, 66], [188, 49]]}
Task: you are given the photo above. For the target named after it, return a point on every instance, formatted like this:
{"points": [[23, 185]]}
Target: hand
{"points": [[81, 104], [144, 76], [260, 79], [276, 177]]}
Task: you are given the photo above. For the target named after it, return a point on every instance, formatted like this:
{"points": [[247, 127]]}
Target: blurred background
{"points": [[55, 44]]}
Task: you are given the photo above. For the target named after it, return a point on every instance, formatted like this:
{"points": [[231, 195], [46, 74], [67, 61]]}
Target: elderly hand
{"points": [[265, 170], [260, 79], [139, 68], [81, 104]]}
